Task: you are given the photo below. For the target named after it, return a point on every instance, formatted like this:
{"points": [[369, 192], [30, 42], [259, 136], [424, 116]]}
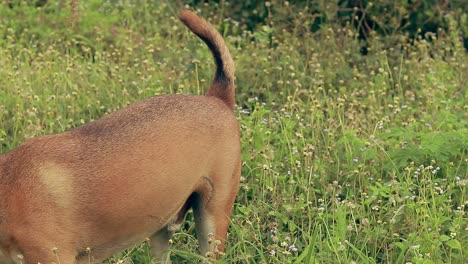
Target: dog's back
{"points": [[104, 186]]}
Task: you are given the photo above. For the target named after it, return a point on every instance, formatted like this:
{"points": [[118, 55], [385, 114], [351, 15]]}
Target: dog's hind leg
{"points": [[160, 241], [160, 245], [212, 215]]}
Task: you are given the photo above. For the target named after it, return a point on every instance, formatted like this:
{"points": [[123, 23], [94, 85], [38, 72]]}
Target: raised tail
{"points": [[222, 86]]}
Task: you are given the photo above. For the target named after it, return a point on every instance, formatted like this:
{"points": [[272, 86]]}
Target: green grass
{"points": [[348, 158]]}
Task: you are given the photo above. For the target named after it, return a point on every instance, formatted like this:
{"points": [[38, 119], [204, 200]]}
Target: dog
{"points": [[88, 193]]}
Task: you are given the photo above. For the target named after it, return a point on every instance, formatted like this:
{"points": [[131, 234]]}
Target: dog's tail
{"points": [[223, 83]]}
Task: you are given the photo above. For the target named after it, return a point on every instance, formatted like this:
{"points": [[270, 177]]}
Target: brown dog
{"points": [[83, 195]]}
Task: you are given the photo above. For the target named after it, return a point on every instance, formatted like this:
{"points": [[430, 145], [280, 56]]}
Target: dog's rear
{"points": [[88, 193]]}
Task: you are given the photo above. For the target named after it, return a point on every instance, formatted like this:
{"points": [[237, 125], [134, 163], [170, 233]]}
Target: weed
{"points": [[348, 158]]}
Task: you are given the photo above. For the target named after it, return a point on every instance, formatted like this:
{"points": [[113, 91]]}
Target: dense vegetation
{"points": [[353, 113]]}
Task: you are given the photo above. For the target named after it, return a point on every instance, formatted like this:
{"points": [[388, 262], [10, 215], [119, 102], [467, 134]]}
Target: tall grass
{"points": [[347, 158]]}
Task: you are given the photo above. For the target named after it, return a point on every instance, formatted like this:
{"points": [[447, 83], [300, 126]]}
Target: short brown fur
{"points": [[100, 188]]}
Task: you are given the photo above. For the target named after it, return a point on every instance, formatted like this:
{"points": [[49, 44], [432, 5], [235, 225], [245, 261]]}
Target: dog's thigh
{"points": [[38, 246]]}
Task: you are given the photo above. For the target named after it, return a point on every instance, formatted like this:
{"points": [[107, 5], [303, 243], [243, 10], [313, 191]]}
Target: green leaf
{"points": [[454, 244], [444, 238]]}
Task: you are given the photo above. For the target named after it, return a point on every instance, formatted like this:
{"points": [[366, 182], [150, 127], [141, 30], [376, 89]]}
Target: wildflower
{"points": [[293, 248], [415, 247]]}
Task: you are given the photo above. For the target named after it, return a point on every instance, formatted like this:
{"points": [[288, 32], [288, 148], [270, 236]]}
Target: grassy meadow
{"points": [[347, 157]]}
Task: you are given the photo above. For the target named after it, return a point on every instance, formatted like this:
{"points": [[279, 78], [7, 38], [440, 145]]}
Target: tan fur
{"points": [[98, 189]]}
